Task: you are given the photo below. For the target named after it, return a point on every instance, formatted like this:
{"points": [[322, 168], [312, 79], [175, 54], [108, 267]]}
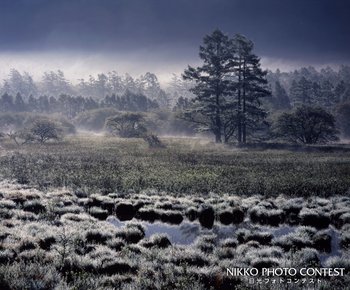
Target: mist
{"points": [[78, 65]]}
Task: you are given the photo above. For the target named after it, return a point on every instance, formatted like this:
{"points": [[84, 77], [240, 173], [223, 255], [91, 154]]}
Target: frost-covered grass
{"points": [[56, 228], [186, 166], [54, 240]]}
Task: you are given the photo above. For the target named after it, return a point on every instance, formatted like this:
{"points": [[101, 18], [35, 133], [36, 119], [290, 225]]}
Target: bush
{"points": [[225, 217], [153, 141], [238, 215], [157, 240], [172, 217], [127, 125], [191, 213], [206, 216], [314, 218], [125, 211], [34, 206], [343, 119], [98, 213], [307, 125]]}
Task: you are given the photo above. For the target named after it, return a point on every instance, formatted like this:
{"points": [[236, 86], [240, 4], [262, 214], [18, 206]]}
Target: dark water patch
{"points": [[184, 233], [335, 246], [187, 232]]}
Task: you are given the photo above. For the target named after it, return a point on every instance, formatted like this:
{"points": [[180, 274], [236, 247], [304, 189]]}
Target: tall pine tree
{"points": [[212, 83], [281, 99], [228, 87], [251, 86]]}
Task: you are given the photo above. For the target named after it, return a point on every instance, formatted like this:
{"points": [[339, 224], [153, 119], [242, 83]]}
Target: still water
{"points": [[187, 232]]}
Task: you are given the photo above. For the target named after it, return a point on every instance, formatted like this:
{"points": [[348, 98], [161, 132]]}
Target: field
{"points": [[96, 212], [186, 166]]}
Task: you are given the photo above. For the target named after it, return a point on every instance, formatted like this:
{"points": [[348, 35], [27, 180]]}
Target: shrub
{"points": [[125, 211], [43, 131], [266, 213], [314, 218], [34, 206], [131, 234], [148, 214], [244, 236], [8, 204], [301, 238], [118, 266], [97, 236], [225, 217], [172, 217], [21, 275], [153, 141], [157, 240], [127, 125], [98, 213], [307, 125], [322, 241], [345, 240], [116, 244], [238, 215], [206, 216], [189, 257], [307, 257], [206, 243], [264, 262], [46, 242], [191, 213], [229, 243]]}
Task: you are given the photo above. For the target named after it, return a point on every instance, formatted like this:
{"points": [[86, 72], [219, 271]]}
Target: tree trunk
{"points": [[239, 121], [218, 137], [244, 128], [218, 118]]}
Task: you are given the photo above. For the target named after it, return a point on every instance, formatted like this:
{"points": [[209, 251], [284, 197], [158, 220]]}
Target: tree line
{"points": [[71, 106], [307, 86], [54, 84]]}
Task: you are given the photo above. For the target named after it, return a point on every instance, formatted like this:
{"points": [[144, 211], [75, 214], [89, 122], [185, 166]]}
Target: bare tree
{"points": [[127, 125], [44, 130]]}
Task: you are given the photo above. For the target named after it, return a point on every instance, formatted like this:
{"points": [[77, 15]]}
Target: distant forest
{"points": [[54, 93], [327, 88], [309, 86]]}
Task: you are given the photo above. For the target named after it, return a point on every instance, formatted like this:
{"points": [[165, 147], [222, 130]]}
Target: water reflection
{"points": [[335, 243], [187, 232]]}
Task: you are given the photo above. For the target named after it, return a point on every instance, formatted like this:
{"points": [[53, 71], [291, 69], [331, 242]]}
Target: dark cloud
{"points": [[312, 30]]}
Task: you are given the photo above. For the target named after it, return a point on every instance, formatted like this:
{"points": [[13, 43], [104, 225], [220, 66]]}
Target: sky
{"points": [[84, 37]]}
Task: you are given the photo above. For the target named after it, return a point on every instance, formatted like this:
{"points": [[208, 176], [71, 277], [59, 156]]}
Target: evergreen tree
{"points": [[251, 86], [32, 104], [340, 90], [6, 103], [212, 83], [328, 97], [19, 105], [316, 93], [228, 87], [301, 92], [43, 104], [281, 99]]}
